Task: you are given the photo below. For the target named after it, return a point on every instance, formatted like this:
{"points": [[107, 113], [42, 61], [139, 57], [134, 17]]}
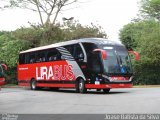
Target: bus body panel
{"points": [[3, 68], [50, 74], [2, 81]]}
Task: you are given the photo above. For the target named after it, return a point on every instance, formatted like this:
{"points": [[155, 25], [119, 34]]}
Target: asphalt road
{"points": [[133, 100]]}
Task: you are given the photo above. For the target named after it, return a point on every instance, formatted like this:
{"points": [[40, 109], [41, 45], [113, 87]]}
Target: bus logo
{"points": [[56, 72]]}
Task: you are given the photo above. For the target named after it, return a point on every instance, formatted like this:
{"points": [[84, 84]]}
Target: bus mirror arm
{"points": [[5, 66], [103, 52], [135, 53]]}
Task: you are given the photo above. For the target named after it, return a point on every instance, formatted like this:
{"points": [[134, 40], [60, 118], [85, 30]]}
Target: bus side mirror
{"points": [[103, 53], [5, 66], [136, 54]]}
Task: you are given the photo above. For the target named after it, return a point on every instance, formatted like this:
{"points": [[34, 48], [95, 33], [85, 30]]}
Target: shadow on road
{"points": [[88, 92]]}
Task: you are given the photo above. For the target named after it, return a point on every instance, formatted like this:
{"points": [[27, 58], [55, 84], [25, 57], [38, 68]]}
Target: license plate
{"points": [[97, 83]]}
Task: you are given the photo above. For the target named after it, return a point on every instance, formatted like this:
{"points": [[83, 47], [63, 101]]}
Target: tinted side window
{"points": [[32, 58], [22, 59], [53, 55], [78, 53], [40, 57], [89, 47], [70, 48]]}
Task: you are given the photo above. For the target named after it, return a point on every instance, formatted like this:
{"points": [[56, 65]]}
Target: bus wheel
{"points": [[106, 90], [33, 85], [81, 86], [77, 86]]}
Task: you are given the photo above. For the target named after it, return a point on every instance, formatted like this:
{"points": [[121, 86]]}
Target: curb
{"points": [[146, 86], [13, 86]]}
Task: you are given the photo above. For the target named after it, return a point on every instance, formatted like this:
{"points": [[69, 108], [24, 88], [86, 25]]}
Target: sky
{"points": [[112, 15]]}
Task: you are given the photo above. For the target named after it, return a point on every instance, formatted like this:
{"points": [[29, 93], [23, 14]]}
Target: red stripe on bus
{"points": [[121, 85], [56, 85]]}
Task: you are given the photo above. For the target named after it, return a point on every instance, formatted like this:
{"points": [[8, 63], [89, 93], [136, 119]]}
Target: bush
{"points": [[9, 52], [145, 39]]}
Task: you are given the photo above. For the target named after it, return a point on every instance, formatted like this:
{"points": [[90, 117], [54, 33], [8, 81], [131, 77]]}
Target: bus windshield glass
{"points": [[118, 61]]}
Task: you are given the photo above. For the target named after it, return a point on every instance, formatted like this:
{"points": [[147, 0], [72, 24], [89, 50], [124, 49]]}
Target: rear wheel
{"points": [[81, 86], [33, 85], [106, 90], [77, 86]]}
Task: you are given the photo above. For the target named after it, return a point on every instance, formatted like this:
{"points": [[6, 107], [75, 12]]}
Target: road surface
{"points": [[26, 101]]}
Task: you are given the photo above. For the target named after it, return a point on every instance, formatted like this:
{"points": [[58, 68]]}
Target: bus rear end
{"points": [[2, 78]]}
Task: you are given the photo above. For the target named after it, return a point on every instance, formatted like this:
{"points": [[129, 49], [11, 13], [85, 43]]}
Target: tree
{"points": [[50, 8], [75, 30], [9, 50], [68, 30], [145, 39], [128, 35], [150, 9]]}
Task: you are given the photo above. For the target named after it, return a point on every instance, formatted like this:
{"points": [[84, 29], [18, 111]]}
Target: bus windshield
{"points": [[118, 61]]}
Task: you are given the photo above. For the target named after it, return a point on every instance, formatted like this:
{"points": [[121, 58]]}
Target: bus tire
{"points": [[106, 90], [81, 86], [33, 85], [77, 86]]}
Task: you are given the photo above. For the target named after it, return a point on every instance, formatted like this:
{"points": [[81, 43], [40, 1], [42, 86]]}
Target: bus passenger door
{"points": [[95, 66]]}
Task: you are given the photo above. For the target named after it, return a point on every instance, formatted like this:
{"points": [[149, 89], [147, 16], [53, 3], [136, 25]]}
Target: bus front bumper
{"points": [[110, 86]]}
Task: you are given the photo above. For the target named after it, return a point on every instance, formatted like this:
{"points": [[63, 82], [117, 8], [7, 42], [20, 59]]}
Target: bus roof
{"points": [[98, 41]]}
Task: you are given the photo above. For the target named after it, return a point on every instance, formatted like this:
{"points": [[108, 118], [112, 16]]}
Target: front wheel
{"points": [[81, 86], [106, 90]]}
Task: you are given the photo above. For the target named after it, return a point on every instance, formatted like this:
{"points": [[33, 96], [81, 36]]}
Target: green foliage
{"points": [[145, 39], [150, 8], [144, 36], [10, 49], [74, 30], [9, 52], [128, 35], [28, 34], [39, 36]]}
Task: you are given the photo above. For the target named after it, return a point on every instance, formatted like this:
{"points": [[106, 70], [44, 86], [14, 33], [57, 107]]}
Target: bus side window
{"points": [[32, 58], [22, 58], [40, 57], [53, 55], [70, 48], [89, 47], [78, 53]]}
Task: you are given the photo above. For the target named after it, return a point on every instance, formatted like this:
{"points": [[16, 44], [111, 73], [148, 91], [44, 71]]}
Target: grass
{"points": [[145, 86]]}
